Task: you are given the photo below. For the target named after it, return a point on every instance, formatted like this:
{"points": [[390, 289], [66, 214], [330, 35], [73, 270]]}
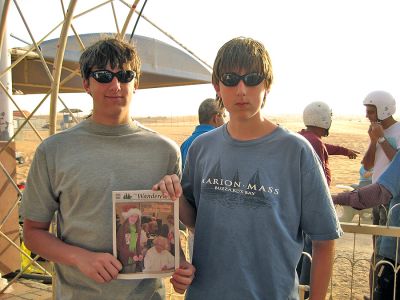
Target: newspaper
{"points": [[145, 234]]}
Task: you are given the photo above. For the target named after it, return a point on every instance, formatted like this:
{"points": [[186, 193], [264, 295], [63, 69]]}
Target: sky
{"points": [[332, 51]]}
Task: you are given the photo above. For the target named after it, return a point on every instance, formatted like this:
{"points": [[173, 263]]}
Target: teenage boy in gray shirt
{"points": [[75, 171]]}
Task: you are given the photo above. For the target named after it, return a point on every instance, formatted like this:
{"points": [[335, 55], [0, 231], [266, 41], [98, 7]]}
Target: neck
{"points": [[317, 131], [250, 129], [110, 120], [388, 122]]}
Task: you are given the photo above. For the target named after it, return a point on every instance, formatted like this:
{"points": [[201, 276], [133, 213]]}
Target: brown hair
{"points": [[111, 51], [242, 53]]}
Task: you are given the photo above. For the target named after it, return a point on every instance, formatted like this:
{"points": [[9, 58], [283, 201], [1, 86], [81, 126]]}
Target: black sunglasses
{"points": [[105, 76], [233, 79]]}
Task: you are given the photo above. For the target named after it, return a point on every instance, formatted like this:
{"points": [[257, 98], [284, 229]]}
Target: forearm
{"points": [[187, 213], [365, 197], [321, 268], [389, 151], [336, 150], [50, 247], [369, 157], [99, 266]]}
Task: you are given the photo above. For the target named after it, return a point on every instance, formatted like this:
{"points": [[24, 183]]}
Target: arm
{"points": [[369, 158], [365, 197], [101, 267], [378, 132], [187, 213], [321, 268], [338, 150], [389, 151]]}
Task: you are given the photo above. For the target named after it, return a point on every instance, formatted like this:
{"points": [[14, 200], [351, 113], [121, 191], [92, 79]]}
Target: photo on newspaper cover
{"points": [[145, 234]]}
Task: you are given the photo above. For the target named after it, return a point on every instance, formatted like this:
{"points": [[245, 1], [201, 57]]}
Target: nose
{"points": [[115, 85], [241, 88]]}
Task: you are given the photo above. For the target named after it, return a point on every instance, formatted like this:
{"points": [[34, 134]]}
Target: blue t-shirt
{"points": [[254, 199], [390, 179]]}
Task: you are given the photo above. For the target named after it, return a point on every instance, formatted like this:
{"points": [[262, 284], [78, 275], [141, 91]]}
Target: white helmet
{"points": [[384, 103], [318, 114]]}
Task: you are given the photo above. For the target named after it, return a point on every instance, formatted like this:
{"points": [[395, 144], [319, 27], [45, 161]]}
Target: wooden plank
{"points": [[371, 229], [10, 259]]}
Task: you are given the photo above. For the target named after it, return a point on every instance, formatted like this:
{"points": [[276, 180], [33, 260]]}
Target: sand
{"points": [[349, 132]]}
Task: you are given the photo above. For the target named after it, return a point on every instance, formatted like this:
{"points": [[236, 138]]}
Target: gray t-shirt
{"points": [[74, 173], [254, 199]]}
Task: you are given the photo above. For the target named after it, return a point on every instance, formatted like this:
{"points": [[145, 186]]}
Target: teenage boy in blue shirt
{"points": [[250, 189]]}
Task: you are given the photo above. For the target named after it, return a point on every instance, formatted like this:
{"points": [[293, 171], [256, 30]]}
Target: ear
{"points": [[214, 120], [216, 88], [86, 86]]}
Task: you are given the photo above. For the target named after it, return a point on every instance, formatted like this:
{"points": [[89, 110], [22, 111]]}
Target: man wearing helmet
{"points": [[384, 133], [317, 117]]}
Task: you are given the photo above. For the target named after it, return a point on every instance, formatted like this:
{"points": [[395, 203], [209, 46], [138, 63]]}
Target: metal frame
{"points": [[54, 76]]}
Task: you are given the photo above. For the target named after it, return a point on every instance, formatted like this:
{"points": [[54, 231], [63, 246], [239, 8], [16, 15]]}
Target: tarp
{"points": [[162, 65]]}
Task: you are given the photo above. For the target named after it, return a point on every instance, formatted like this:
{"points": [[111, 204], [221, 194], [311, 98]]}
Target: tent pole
{"points": [[128, 18], [6, 111], [5, 4], [58, 66]]}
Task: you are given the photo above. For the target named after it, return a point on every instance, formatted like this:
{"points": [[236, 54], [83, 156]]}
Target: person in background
{"points": [[210, 116], [250, 189], [384, 134], [385, 191], [317, 117], [75, 171]]}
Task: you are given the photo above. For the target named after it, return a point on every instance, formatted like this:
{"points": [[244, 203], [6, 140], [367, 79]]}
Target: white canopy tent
{"points": [[162, 65]]}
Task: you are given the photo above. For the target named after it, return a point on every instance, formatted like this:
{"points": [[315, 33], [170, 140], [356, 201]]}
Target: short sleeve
{"points": [[38, 201]]}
